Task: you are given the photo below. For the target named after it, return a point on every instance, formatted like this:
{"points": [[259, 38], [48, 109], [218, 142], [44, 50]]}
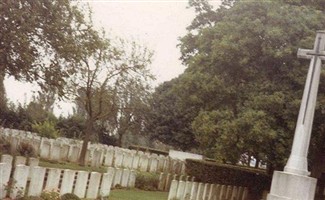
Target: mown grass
{"points": [[135, 194], [73, 166]]}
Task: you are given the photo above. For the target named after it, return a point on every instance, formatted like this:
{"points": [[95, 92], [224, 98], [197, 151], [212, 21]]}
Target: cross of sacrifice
{"points": [[297, 163]]}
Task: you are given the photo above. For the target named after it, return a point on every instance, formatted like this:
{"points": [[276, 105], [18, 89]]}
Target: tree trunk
{"points": [[120, 137], [3, 99], [88, 131]]}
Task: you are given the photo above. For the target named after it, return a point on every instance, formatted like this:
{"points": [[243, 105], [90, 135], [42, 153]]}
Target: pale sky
{"points": [[154, 24]]}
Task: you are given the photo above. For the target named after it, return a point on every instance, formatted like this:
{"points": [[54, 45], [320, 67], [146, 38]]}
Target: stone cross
{"points": [[297, 163]]}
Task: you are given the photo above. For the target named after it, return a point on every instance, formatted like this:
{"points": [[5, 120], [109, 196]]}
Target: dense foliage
{"points": [[241, 91], [33, 30]]}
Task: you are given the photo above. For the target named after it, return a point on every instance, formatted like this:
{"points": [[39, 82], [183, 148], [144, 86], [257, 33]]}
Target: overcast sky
{"points": [[155, 24]]}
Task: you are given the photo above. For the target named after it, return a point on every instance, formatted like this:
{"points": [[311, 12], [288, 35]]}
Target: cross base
{"points": [[287, 186], [297, 165]]}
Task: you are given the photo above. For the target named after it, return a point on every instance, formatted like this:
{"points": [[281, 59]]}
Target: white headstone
{"points": [[187, 190], [117, 177], [223, 192], [45, 148], [88, 156], [36, 181], [234, 192], [20, 180], [168, 181], [95, 162], [161, 163], [173, 190], [153, 164], [125, 178], [118, 158], [127, 160], [33, 162], [106, 185], [135, 162], [180, 190], [132, 179], [64, 153], [5, 158], [144, 161], [109, 156], [5, 169], [20, 160], [206, 190], [200, 191], [81, 184], [74, 153], [93, 187], [53, 179], [67, 181], [212, 192]]}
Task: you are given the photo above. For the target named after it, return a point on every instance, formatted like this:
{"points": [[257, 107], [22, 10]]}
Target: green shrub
{"points": [[26, 150], [5, 146], [147, 181], [210, 172], [50, 195], [69, 196], [46, 129]]}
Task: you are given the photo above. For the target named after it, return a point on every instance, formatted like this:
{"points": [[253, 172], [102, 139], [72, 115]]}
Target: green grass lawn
{"points": [[134, 194]]}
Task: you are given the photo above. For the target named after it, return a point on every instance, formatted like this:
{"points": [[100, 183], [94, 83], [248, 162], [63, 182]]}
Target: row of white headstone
{"points": [[188, 190], [64, 149], [165, 180], [84, 184]]}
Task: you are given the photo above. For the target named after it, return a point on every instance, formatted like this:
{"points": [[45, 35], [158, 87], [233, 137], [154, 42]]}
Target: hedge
{"points": [[210, 172], [147, 149]]}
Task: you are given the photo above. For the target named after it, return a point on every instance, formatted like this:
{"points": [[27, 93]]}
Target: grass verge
{"points": [[135, 194]]}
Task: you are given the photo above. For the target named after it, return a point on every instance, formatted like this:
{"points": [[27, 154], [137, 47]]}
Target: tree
{"points": [[38, 42], [131, 102], [243, 81], [168, 119], [105, 72]]}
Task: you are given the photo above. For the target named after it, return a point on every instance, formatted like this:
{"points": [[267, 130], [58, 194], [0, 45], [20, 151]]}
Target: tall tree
{"points": [[243, 81], [104, 70], [38, 41], [168, 119]]}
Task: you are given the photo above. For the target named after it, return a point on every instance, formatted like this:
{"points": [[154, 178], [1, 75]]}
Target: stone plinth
{"points": [[287, 186]]}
